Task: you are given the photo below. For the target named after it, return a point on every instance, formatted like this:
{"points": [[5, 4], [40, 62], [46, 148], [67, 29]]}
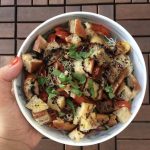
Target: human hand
{"points": [[15, 131]]}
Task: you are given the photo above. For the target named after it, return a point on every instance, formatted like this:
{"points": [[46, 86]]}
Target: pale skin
{"points": [[15, 132]]}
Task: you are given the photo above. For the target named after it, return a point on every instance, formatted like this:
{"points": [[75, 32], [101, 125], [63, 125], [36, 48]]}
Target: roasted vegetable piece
{"points": [[105, 107], [76, 27], [31, 86], [120, 79], [122, 103], [61, 33], [61, 125], [80, 99], [100, 29], [51, 38], [31, 64], [40, 44], [42, 117]]}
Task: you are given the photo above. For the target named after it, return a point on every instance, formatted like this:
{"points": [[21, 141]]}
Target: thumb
{"points": [[12, 70]]}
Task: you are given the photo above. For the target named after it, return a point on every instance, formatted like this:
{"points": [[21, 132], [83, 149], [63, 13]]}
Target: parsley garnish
{"points": [[76, 91], [109, 90], [73, 53], [62, 77], [91, 88], [42, 80], [80, 77], [51, 92], [71, 105]]}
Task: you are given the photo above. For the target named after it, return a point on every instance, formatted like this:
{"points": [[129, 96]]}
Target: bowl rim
{"points": [[96, 141]]}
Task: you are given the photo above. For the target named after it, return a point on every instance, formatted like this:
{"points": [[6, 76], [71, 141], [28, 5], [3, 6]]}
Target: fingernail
{"points": [[14, 61]]}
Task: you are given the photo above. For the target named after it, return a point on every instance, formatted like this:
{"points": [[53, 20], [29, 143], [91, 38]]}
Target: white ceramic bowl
{"points": [[139, 69]]}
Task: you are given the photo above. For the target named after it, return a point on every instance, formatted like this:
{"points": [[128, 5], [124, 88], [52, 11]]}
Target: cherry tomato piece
{"points": [[96, 72], [122, 103], [62, 34], [51, 38], [62, 92], [44, 96], [81, 99], [100, 29]]}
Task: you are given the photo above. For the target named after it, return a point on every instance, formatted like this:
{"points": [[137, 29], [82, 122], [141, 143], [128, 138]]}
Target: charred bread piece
{"points": [[122, 47], [120, 79], [42, 117], [96, 39], [102, 118], [73, 39], [39, 44], [30, 86], [76, 27], [31, 64], [78, 68], [76, 135], [88, 65], [61, 125], [134, 85], [36, 104], [123, 114], [124, 92]]}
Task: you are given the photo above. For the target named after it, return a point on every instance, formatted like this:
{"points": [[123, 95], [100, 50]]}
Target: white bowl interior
{"points": [[139, 69]]}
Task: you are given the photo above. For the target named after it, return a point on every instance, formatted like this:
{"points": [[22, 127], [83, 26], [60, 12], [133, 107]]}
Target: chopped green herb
{"points": [[109, 91], [80, 77], [71, 105], [61, 85], [73, 53], [76, 91], [61, 114], [106, 127], [51, 92], [42, 80], [62, 77], [91, 88]]}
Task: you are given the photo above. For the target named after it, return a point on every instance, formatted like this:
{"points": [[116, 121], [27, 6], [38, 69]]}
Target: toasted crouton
{"points": [[78, 68], [134, 84], [102, 118], [88, 65], [61, 102], [31, 64], [39, 44], [76, 27], [31, 87], [88, 122], [42, 117], [124, 92], [85, 108], [123, 114], [60, 124], [73, 39], [96, 39], [36, 104], [123, 47], [76, 135]]}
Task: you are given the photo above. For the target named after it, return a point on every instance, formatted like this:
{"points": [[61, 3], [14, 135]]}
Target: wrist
{"points": [[7, 144]]}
